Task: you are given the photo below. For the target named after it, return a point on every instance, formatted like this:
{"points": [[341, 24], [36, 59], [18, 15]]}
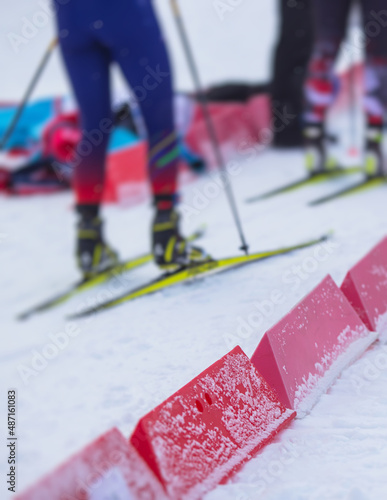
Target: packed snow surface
{"points": [[112, 369]]}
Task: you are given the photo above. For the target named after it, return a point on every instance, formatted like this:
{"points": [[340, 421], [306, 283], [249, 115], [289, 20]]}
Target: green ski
{"points": [[188, 273]]}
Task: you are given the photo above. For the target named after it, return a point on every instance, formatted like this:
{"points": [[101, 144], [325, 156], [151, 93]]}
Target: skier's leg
{"points": [[375, 99], [330, 22], [88, 68], [289, 70], [321, 88], [87, 64], [149, 74], [144, 61]]}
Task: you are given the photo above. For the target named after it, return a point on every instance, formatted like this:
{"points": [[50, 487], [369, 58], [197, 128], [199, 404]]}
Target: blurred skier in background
{"points": [[291, 60], [330, 24], [92, 34]]}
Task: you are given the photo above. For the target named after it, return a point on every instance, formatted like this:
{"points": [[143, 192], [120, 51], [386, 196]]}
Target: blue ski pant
{"points": [[92, 35]]}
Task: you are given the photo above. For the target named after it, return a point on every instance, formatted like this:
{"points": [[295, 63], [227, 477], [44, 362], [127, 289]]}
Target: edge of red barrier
{"points": [[108, 463], [207, 430], [365, 286], [303, 354]]}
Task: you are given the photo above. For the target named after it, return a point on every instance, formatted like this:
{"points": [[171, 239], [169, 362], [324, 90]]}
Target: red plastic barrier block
{"points": [[365, 286], [306, 351], [232, 125], [202, 434], [126, 175], [259, 109], [108, 466]]}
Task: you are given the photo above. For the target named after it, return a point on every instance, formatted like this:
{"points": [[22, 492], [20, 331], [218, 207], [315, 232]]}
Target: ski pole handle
{"points": [[28, 93]]}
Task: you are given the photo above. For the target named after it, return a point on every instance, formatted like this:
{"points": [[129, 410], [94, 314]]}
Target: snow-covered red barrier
{"points": [[202, 434], [107, 468], [306, 351], [365, 286]]}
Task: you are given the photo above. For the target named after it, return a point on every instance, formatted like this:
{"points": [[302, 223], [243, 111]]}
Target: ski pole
{"points": [[28, 93], [208, 119], [354, 21], [352, 105]]}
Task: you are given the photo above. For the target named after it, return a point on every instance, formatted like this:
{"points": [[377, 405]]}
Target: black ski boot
{"points": [[316, 143], [315, 148], [170, 250], [374, 160], [93, 254]]}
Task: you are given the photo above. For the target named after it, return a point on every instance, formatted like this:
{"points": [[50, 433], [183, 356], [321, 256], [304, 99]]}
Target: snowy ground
{"points": [[124, 362]]}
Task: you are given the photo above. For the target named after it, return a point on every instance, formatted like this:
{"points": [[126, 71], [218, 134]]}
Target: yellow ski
{"points": [[314, 178], [365, 185], [95, 281], [193, 271]]}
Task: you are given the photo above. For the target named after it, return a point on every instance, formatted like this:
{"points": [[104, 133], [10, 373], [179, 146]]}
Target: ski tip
{"points": [[321, 201], [250, 200], [72, 317], [316, 203], [83, 314], [80, 315], [328, 235], [254, 199], [23, 316]]}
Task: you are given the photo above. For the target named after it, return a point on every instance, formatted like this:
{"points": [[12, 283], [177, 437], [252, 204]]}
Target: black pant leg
{"points": [[290, 66]]}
